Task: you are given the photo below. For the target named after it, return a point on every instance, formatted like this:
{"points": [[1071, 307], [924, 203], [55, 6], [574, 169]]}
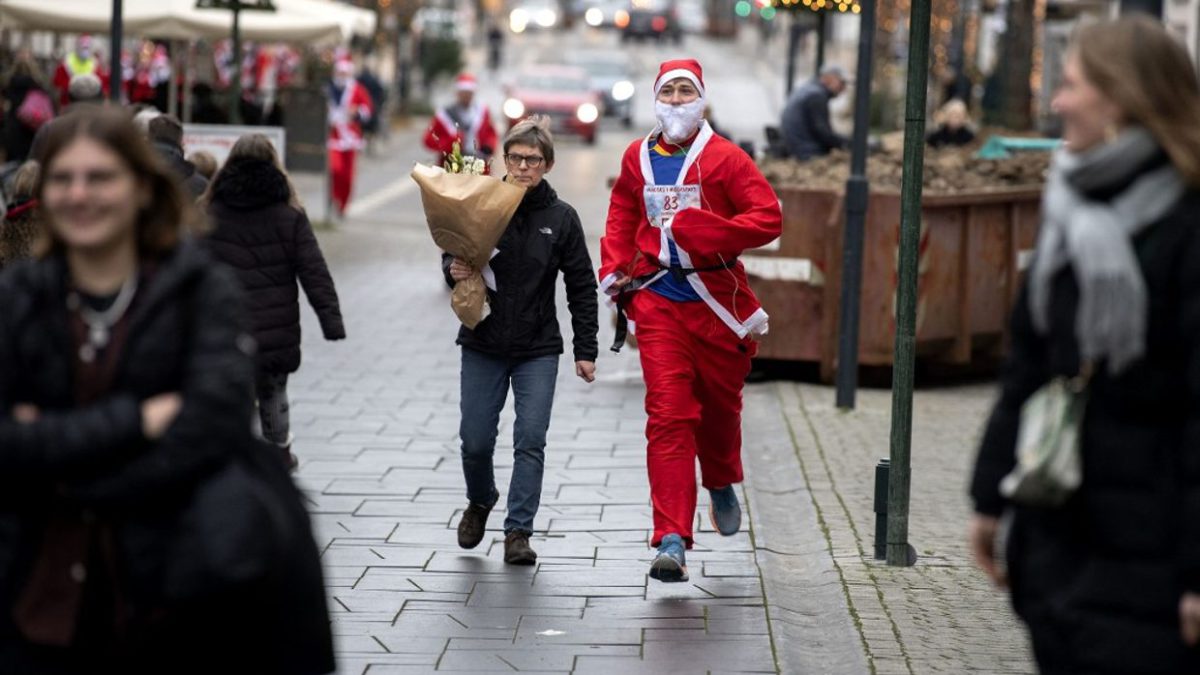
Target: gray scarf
{"points": [[1095, 239]]}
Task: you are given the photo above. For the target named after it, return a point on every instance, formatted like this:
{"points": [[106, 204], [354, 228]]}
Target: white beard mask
{"points": [[679, 121]]}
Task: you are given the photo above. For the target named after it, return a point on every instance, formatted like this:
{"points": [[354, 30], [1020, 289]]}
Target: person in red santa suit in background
{"points": [[465, 121], [349, 107], [686, 203], [82, 61]]}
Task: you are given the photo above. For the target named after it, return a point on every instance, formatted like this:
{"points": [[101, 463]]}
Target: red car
{"points": [[563, 93]]}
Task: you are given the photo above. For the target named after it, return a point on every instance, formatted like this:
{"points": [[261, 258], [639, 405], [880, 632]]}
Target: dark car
{"points": [[562, 93], [652, 19]]}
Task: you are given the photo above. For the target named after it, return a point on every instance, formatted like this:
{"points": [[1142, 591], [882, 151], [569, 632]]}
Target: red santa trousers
{"points": [[694, 368], [341, 177]]}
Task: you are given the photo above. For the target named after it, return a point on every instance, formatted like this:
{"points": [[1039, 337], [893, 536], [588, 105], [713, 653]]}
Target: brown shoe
{"points": [[516, 549], [474, 522]]}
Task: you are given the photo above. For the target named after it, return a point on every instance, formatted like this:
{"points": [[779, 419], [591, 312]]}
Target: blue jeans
{"points": [[485, 383]]}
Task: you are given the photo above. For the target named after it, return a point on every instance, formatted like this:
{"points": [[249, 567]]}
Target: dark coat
{"points": [[806, 128], [184, 171], [1099, 579], [186, 335], [18, 138], [544, 238], [270, 244]]}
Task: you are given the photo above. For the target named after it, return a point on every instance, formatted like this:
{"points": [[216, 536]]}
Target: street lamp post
{"points": [[117, 77], [857, 195], [237, 7], [899, 552]]}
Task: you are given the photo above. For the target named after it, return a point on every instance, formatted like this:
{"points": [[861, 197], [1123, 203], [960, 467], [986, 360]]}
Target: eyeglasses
{"points": [[531, 161]]}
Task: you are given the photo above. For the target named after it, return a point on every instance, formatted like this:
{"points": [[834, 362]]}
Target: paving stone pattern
{"points": [[942, 615], [376, 426], [376, 419]]}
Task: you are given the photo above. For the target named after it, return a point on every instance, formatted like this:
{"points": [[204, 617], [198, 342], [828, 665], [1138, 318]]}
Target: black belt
{"points": [[677, 273]]}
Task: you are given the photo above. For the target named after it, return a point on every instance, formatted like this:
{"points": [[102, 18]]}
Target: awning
{"points": [[310, 21]]}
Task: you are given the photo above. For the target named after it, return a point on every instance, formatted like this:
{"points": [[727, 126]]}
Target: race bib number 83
{"points": [[664, 201]]}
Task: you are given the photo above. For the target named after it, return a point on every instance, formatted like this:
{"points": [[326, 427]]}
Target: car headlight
{"points": [[622, 91], [547, 18], [594, 17], [518, 20], [587, 113], [514, 108]]}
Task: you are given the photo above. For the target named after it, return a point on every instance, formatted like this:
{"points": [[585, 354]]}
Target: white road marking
{"points": [[378, 198]]}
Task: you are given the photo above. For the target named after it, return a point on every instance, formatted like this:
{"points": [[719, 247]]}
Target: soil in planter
{"points": [[948, 171]]}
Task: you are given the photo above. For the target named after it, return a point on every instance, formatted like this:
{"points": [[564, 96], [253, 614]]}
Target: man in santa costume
{"points": [[82, 61], [465, 121], [686, 204], [349, 107]]}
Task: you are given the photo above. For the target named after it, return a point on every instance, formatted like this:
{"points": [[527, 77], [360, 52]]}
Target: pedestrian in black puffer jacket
{"points": [[261, 231], [519, 343], [1109, 581], [125, 388]]}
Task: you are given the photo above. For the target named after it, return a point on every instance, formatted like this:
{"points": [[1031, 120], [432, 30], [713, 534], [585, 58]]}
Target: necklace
{"points": [[100, 324]]}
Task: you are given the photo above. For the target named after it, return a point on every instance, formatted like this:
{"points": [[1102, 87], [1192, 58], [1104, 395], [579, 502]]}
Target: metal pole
{"points": [[794, 33], [173, 84], [904, 361], [116, 78], [882, 470], [822, 20], [235, 103], [857, 196], [189, 79]]}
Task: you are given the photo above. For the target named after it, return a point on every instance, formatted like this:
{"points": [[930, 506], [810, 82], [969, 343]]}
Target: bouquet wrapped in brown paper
{"points": [[467, 213]]}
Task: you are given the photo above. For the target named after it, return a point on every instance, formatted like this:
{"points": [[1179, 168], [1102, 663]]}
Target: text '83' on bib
{"points": [[664, 201]]}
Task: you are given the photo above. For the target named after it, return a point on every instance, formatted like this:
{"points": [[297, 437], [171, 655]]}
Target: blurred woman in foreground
{"points": [[1108, 581]]}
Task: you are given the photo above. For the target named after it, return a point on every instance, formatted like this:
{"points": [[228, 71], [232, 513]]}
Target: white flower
{"points": [[479, 167]]}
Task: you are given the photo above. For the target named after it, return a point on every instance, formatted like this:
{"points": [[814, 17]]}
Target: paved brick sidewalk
{"points": [[376, 424], [940, 616], [376, 418]]}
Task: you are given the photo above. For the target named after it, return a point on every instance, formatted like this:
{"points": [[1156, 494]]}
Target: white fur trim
{"points": [[608, 281], [675, 74]]}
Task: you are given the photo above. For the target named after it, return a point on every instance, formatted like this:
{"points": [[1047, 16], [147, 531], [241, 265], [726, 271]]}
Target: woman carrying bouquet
{"points": [[519, 343]]}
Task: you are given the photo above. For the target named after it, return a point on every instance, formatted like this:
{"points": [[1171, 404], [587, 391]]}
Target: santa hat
{"points": [[685, 68], [466, 82]]}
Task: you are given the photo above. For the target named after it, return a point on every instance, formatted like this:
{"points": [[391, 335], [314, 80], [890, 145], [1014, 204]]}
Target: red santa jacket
{"points": [[346, 115], [738, 211], [478, 140], [72, 65]]}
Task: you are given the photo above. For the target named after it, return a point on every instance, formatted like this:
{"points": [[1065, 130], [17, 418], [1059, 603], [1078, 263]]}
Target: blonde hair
{"points": [[205, 163], [26, 180], [1151, 78], [535, 131]]}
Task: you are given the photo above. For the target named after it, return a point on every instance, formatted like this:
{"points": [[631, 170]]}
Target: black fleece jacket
{"points": [[544, 238]]}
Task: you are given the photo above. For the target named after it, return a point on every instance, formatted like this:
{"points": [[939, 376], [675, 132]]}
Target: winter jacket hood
{"points": [[250, 184]]}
